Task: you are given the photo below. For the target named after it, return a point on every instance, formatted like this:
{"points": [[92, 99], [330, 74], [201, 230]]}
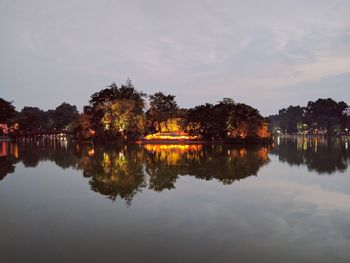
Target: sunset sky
{"points": [[268, 54]]}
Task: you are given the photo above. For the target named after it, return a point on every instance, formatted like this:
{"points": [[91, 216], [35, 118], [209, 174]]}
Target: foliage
{"points": [[162, 113], [288, 119], [121, 117], [324, 115], [117, 111], [31, 118], [82, 127], [64, 115], [7, 111], [226, 119]]}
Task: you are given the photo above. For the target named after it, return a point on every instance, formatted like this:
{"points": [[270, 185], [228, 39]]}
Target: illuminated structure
{"points": [[174, 136], [170, 130]]}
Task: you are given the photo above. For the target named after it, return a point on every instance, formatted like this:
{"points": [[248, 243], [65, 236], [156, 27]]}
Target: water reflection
{"points": [[321, 154], [284, 215], [114, 172], [123, 171], [8, 156]]}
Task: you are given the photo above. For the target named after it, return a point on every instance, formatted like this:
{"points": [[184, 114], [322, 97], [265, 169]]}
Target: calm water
{"points": [[64, 202]]}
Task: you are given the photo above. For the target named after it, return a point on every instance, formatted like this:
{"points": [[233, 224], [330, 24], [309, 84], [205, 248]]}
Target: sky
{"points": [[268, 54]]}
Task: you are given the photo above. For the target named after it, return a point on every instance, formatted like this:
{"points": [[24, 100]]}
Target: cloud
{"points": [[199, 50]]}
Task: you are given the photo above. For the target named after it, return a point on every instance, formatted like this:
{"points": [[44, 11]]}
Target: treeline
{"points": [[128, 114], [120, 112], [33, 118], [323, 116]]}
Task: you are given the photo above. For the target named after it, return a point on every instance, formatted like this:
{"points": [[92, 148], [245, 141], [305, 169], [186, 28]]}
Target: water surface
{"points": [[67, 202]]}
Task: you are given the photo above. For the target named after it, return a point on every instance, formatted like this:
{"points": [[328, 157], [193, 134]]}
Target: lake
{"points": [[67, 202]]}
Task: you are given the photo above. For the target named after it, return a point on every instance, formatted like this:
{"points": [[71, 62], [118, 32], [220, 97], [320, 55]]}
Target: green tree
{"points": [[243, 121], [117, 111], [121, 117], [226, 119], [202, 121], [82, 127], [162, 108]]}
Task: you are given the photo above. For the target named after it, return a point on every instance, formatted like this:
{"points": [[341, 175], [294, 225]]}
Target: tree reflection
{"points": [[322, 154], [6, 167], [8, 156], [114, 172], [120, 172], [165, 163]]}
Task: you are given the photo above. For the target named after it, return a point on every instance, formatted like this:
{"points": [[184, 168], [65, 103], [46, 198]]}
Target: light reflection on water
{"points": [[66, 202]]}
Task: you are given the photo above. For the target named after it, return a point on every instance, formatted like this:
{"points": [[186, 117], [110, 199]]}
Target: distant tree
{"points": [[82, 127], [323, 114], [117, 111], [162, 108], [121, 117], [244, 121], [326, 114], [7, 111], [31, 118], [126, 91], [290, 118], [49, 117], [64, 115], [226, 119], [202, 121]]}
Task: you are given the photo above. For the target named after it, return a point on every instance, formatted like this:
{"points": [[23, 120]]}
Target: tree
{"points": [[7, 111], [162, 109], [82, 127], [290, 118], [325, 114], [64, 115], [117, 111], [244, 121], [226, 119], [121, 117], [31, 118], [202, 121]]}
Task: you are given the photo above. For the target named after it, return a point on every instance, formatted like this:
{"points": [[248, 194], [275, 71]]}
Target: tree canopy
{"points": [[7, 111], [226, 119], [117, 111], [162, 111], [326, 115]]}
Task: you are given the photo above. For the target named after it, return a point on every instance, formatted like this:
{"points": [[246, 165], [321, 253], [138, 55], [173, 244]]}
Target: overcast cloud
{"points": [[265, 53]]}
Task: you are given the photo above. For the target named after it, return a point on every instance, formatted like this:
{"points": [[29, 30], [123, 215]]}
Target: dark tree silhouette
{"points": [[7, 111]]}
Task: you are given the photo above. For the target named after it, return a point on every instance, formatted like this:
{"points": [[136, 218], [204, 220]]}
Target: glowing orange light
{"points": [[181, 147], [3, 149], [172, 153], [170, 136], [243, 152], [91, 152]]}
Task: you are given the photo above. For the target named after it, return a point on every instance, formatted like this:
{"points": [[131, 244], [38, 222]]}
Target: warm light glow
{"points": [[160, 147], [91, 152], [173, 153], [3, 151], [242, 152], [170, 136], [263, 131]]}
